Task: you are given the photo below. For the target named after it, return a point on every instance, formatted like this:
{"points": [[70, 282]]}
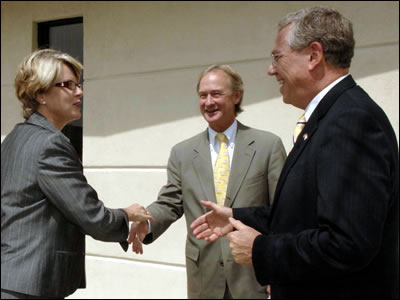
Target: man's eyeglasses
{"points": [[69, 85], [275, 58]]}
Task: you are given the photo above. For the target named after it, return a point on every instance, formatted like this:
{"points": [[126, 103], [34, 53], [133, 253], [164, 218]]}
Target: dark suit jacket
{"points": [[47, 207], [256, 164], [333, 230]]}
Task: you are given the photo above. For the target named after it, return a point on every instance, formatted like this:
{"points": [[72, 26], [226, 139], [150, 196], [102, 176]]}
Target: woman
{"points": [[47, 206]]}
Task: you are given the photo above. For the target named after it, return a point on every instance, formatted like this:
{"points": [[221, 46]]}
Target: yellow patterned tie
{"points": [[221, 170], [299, 127]]}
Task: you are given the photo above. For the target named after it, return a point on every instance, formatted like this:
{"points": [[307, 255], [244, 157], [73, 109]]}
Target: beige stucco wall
{"points": [[142, 61]]}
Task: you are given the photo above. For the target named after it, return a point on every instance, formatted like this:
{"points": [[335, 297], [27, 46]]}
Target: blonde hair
{"points": [[234, 78], [37, 73]]}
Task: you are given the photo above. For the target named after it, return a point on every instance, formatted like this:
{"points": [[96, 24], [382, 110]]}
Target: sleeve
{"points": [[255, 217], [60, 176], [169, 205]]}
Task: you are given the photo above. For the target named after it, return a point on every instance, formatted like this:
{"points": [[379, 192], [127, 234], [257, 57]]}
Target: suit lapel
{"points": [[202, 165], [311, 127], [294, 154], [241, 161]]}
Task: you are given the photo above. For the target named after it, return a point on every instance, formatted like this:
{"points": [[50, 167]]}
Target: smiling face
{"points": [[217, 100], [291, 70], [62, 104]]}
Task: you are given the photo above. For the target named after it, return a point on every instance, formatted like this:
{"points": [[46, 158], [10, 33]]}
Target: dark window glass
{"points": [[66, 35]]}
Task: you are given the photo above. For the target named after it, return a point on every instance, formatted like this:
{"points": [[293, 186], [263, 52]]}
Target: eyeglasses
{"points": [[69, 85], [275, 58]]}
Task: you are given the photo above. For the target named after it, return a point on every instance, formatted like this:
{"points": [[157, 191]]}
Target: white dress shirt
{"points": [[317, 99], [230, 134]]}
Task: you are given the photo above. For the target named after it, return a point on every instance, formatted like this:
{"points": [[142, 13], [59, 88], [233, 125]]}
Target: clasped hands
{"points": [[212, 225], [139, 215], [220, 222]]}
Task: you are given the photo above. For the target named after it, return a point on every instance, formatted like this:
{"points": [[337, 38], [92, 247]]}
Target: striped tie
{"points": [[221, 170], [299, 127]]}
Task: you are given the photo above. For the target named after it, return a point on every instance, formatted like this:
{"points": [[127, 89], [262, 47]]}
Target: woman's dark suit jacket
{"points": [[47, 207]]}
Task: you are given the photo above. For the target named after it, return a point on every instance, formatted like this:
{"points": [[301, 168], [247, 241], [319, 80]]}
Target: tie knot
{"points": [[302, 120], [221, 138]]}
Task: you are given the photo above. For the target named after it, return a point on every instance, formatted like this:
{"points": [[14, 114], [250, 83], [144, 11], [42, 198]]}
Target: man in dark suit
{"points": [[255, 158], [333, 228]]}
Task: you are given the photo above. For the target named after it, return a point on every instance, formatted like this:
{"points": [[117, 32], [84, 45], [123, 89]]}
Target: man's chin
{"points": [[211, 117], [285, 100]]}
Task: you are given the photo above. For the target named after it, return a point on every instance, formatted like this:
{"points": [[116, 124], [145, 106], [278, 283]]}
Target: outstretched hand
{"points": [[213, 224]]}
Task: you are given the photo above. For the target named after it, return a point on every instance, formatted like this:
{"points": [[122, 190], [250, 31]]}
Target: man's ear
{"points": [[316, 55], [237, 97]]}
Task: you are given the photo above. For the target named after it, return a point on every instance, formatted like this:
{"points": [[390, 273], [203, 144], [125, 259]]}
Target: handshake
{"points": [[217, 222], [140, 216]]}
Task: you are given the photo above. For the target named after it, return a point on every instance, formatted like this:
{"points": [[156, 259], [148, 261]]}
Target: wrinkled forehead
{"points": [[215, 80]]}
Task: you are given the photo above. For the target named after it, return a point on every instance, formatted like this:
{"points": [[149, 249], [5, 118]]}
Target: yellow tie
{"points": [[221, 170], [299, 127]]}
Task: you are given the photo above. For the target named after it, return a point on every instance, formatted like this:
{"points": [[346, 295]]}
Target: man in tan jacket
{"points": [[255, 160]]}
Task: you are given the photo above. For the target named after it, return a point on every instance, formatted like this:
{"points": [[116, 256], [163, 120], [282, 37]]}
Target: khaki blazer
{"points": [[256, 165]]}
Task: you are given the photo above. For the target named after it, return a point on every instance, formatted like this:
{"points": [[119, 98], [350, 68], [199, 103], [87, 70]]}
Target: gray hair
{"points": [[326, 26], [234, 78]]}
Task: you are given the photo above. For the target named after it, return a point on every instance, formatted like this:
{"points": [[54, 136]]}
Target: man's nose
{"points": [[209, 100], [271, 70]]}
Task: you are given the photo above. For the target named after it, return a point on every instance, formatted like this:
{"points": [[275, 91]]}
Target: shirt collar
{"points": [[317, 99], [230, 133]]}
